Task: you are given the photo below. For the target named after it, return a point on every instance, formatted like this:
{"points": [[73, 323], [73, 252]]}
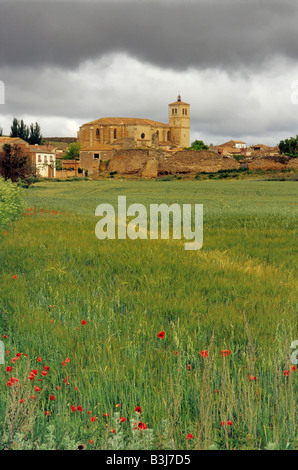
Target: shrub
{"points": [[10, 202]]}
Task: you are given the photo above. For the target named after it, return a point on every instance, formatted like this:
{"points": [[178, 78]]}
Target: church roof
{"points": [[179, 103], [126, 121]]}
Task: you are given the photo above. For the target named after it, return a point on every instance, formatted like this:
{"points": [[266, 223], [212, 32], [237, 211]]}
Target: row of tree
{"points": [[31, 133]]}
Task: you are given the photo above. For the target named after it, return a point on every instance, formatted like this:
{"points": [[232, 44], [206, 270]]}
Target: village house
{"points": [[100, 138]]}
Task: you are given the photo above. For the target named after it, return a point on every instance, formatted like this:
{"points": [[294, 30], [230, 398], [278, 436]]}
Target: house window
{"points": [[51, 158], [115, 133], [96, 156], [45, 159], [39, 158], [168, 135]]}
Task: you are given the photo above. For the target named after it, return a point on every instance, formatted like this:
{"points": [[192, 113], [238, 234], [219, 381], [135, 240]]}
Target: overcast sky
{"points": [[64, 63]]}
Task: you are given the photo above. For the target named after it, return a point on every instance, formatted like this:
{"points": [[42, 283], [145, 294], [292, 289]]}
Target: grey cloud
{"points": [[227, 35]]}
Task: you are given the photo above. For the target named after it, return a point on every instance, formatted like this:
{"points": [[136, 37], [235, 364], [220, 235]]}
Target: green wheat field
{"points": [[80, 319]]}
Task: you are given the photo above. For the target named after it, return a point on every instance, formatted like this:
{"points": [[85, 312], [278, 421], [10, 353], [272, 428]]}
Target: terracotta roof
{"points": [[126, 121], [178, 103]]}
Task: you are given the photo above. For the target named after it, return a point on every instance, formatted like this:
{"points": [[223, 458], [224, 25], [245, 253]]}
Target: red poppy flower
{"points": [[79, 408], [14, 277], [122, 420], [142, 425], [189, 366], [113, 431], [46, 368], [73, 408], [161, 334], [83, 322], [229, 423], [138, 409], [47, 413], [52, 397], [204, 354], [4, 336], [286, 372], [106, 414], [189, 436], [91, 441], [37, 389], [93, 419], [22, 401], [293, 368], [222, 423], [39, 359], [9, 369], [225, 352]]}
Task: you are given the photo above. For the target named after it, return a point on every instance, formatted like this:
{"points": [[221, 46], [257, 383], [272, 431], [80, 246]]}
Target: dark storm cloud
{"points": [[223, 34]]}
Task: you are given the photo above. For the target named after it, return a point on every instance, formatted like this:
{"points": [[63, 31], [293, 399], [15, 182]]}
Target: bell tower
{"points": [[179, 120]]}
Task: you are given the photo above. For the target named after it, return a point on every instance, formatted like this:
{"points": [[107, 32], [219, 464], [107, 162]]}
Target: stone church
{"points": [[100, 139]]}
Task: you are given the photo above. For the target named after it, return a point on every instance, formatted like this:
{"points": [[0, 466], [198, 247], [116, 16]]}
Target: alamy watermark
{"points": [[294, 95], [138, 227], [2, 92]]}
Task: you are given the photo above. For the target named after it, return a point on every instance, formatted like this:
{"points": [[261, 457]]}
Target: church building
{"points": [[100, 138]]}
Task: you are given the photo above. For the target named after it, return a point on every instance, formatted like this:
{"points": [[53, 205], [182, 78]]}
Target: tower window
{"points": [[185, 111], [96, 156], [175, 110], [97, 132], [168, 135], [115, 133], [143, 135]]}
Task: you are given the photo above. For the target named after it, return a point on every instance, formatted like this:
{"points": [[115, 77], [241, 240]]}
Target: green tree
{"points": [[289, 146], [73, 151], [35, 136], [198, 145]]}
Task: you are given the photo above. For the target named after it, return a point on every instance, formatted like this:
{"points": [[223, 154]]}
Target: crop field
{"points": [[140, 344]]}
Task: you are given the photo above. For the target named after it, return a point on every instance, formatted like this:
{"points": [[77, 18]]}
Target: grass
{"points": [[236, 293]]}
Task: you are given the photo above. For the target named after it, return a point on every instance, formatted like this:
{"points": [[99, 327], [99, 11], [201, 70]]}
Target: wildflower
{"points": [[93, 419], [117, 406], [138, 409], [58, 387], [204, 354], [142, 426], [37, 389], [189, 366], [46, 368], [91, 441], [286, 372], [222, 423], [4, 336], [161, 335], [73, 408], [52, 398], [67, 360], [32, 397], [47, 413], [122, 420], [225, 352], [106, 414], [189, 436], [22, 401], [293, 368], [39, 359], [14, 277], [229, 423], [18, 354], [44, 373], [79, 408], [9, 369], [113, 431], [83, 322], [251, 377]]}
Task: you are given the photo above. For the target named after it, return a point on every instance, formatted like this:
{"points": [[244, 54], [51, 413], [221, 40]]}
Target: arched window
{"points": [[168, 135], [143, 135], [97, 132], [185, 111], [173, 111], [157, 135], [115, 133]]}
